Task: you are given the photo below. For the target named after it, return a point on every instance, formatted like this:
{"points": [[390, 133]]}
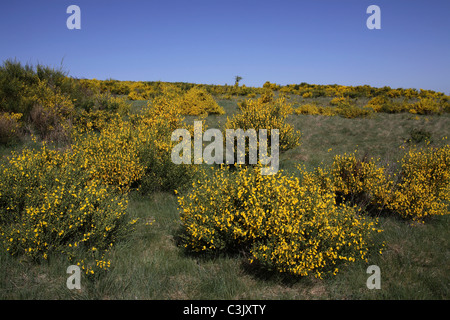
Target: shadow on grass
{"points": [[254, 270]]}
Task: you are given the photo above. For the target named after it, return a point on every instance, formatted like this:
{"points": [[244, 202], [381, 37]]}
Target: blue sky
{"points": [[284, 42]]}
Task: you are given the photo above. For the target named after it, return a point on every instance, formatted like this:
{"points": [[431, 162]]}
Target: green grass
{"points": [[150, 265], [379, 136]]}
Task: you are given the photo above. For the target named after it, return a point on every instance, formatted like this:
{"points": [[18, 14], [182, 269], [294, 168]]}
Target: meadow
{"points": [[114, 140]]}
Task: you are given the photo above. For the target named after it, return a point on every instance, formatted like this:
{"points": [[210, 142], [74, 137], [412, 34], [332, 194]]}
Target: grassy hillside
{"points": [[87, 179], [150, 265]]}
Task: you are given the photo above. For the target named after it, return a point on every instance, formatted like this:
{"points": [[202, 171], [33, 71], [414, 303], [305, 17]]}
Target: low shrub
{"points": [[136, 153], [417, 190], [153, 130], [52, 113], [360, 181], [133, 95], [396, 107], [445, 103], [111, 155], [198, 101], [426, 106], [281, 223], [308, 94], [351, 111], [313, 109], [384, 104], [266, 113], [49, 204], [378, 103], [10, 127], [50, 126], [422, 188], [338, 100], [419, 135], [310, 109]]}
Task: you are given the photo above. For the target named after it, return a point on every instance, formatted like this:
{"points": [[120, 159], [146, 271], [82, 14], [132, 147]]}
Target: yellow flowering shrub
{"points": [[361, 181], [307, 94], [378, 103], [394, 93], [419, 189], [266, 113], [338, 100], [387, 106], [445, 103], [327, 111], [350, 110], [52, 98], [312, 109], [135, 152], [152, 134], [111, 155], [110, 103], [308, 109], [426, 106], [282, 223], [197, 102], [9, 127], [423, 186], [133, 95], [52, 112], [50, 204], [94, 120], [23, 86], [101, 109]]}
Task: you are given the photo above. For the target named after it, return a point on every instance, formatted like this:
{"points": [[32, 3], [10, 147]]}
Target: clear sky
{"points": [[211, 41]]}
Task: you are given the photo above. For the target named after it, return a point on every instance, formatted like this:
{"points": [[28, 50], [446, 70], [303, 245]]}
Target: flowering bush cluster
{"points": [[134, 152], [111, 156], [339, 100], [360, 181], [312, 222], [420, 188], [50, 204], [197, 102], [9, 127], [194, 101], [342, 107], [427, 106], [152, 134], [283, 223], [347, 108], [73, 201], [145, 90], [384, 104], [424, 105], [266, 113], [313, 109]]}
